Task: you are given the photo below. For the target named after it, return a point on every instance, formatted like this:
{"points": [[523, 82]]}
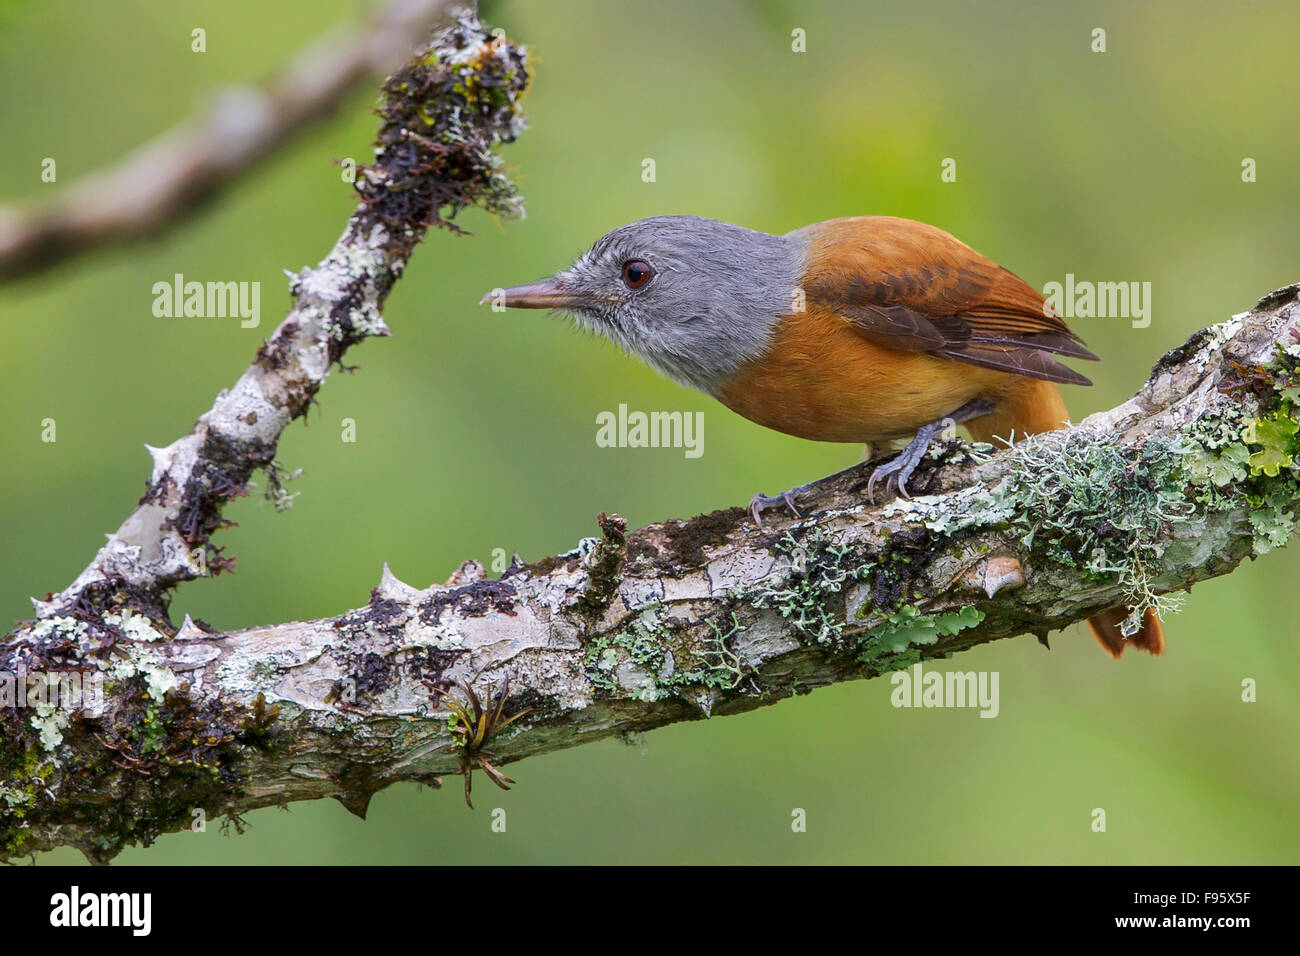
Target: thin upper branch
{"points": [[417, 180], [164, 180]]}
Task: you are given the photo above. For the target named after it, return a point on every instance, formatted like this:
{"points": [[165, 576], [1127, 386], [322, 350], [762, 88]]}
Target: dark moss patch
{"points": [[434, 147], [1271, 300], [474, 599], [540, 569], [538, 705], [430, 667], [1177, 356], [893, 573], [274, 353], [682, 543], [224, 466], [373, 674], [114, 594], [605, 565], [344, 332], [155, 492], [134, 773], [384, 615]]}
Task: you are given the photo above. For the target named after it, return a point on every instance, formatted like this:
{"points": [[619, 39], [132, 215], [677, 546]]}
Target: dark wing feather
{"points": [[1018, 361], [910, 286], [894, 325], [958, 329]]}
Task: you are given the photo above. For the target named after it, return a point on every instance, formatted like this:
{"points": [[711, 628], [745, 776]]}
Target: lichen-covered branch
{"points": [[167, 178], [676, 621], [120, 712]]}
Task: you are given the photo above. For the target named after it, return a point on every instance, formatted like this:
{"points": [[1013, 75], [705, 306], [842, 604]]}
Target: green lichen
{"points": [[969, 508], [655, 656], [1237, 460], [807, 591], [243, 673], [896, 642], [1087, 502], [50, 722], [1275, 436], [1217, 469], [807, 588], [134, 627], [817, 569], [1272, 518], [159, 679]]}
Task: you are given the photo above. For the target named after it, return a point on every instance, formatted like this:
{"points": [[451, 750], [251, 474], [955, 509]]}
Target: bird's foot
{"points": [[761, 502], [898, 470]]}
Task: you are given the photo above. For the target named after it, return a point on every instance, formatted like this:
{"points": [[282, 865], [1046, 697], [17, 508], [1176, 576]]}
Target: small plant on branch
{"points": [[475, 727]]}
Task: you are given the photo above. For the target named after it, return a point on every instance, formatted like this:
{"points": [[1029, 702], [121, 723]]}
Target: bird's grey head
{"points": [[695, 298]]}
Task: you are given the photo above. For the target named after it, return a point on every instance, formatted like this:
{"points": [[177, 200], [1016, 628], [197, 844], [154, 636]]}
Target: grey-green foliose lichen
{"points": [[808, 589], [655, 656]]}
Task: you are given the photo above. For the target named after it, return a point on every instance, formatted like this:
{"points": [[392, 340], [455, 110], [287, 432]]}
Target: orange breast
{"points": [[821, 380]]}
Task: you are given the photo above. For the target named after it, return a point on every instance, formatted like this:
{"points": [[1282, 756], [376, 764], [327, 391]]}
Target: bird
{"points": [[862, 329]]}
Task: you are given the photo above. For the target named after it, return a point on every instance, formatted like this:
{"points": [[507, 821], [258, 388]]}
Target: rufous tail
{"points": [[1105, 627], [1032, 406]]}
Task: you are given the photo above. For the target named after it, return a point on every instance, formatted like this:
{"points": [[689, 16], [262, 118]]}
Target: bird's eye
{"points": [[636, 273]]}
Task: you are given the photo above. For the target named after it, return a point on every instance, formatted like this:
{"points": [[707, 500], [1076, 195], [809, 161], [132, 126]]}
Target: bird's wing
{"points": [[910, 286]]}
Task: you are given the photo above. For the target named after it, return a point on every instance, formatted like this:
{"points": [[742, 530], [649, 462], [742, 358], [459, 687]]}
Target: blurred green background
{"points": [[475, 430]]}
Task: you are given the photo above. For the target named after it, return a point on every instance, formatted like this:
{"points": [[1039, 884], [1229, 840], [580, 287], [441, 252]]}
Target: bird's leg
{"points": [[902, 465], [900, 468]]}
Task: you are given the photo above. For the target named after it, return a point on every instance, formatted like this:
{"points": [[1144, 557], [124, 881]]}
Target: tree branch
{"points": [[155, 187], [685, 619]]}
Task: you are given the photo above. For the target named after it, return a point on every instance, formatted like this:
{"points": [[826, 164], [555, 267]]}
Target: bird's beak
{"points": [[544, 294]]}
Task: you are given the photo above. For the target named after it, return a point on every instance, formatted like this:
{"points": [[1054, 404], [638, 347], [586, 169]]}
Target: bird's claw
{"points": [[890, 472], [899, 469], [761, 502]]}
